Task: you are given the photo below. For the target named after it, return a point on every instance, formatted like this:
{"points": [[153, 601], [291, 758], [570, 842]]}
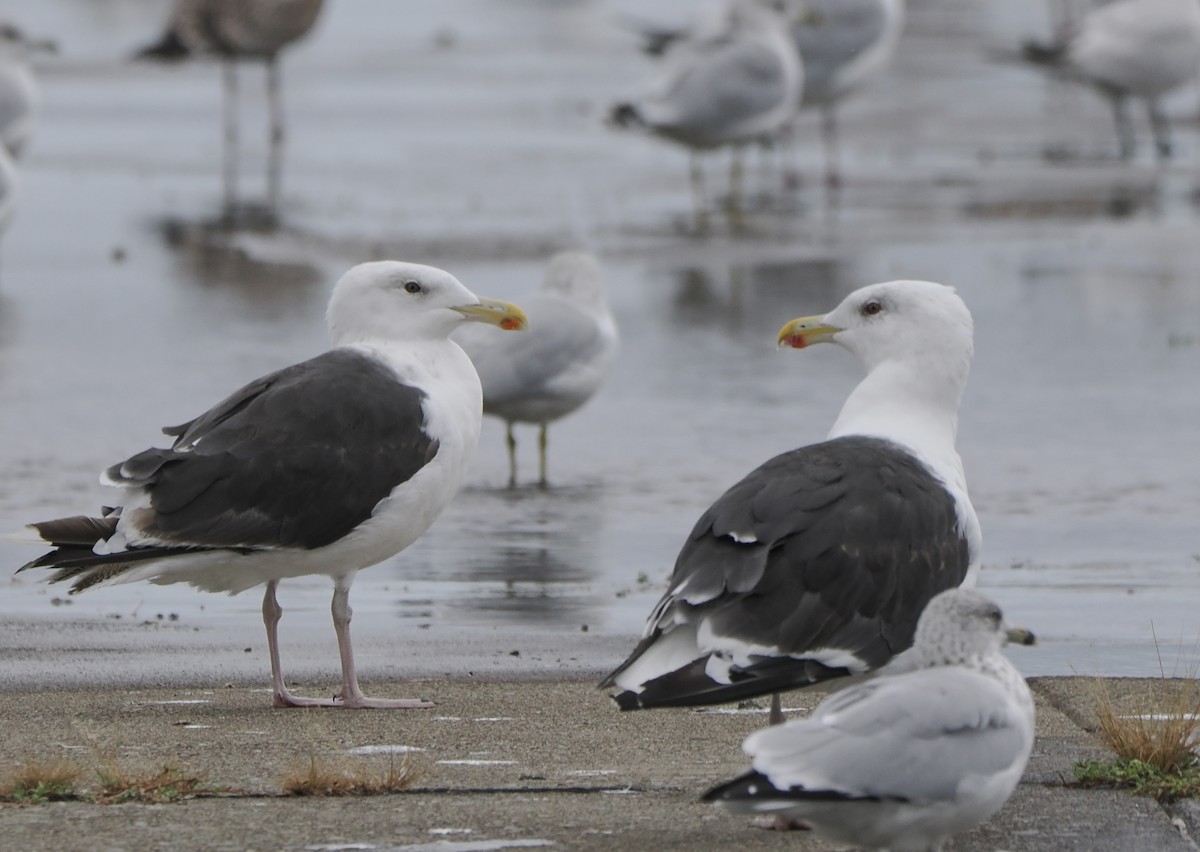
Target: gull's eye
{"points": [[412, 287], [871, 308]]}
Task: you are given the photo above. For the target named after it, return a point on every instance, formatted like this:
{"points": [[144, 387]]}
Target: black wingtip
{"points": [[625, 115], [748, 786], [1043, 54], [167, 49], [628, 701]]}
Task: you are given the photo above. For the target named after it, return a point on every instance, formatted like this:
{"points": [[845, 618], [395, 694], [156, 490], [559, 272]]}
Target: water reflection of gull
{"points": [[237, 30], [264, 268], [545, 549]]}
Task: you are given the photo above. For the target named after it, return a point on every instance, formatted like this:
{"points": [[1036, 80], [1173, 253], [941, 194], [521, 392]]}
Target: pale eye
{"points": [[412, 287]]}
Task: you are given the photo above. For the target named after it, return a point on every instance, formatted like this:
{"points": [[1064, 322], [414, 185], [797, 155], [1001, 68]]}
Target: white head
{"points": [[920, 334], [910, 321], [575, 275], [961, 625], [389, 300]]}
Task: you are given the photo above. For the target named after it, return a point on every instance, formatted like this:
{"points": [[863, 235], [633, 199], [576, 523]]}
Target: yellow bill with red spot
{"points": [[805, 331], [496, 312]]}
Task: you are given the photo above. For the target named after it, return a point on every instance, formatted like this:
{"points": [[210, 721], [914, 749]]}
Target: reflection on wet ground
{"points": [[470, 138]]}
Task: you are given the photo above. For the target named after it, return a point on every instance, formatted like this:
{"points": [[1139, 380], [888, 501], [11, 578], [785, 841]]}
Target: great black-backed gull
{"points": [[903, 761], [325, 467], [559, 364], [818, 563]]}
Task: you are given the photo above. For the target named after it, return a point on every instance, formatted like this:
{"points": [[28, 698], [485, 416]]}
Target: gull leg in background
{"points": [[543, 442], [699, 196], [733, 204], [779, 822], [275, 158], [1160, 128], [230, 81], [510, 440], [829, 136], [1124, 125]]}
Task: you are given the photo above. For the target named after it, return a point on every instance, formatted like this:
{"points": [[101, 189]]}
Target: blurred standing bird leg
{"points": [[829, 137], [699, 195], [229, 165], [1131, 49], [237, 30], [730, 82], [275, 157]]}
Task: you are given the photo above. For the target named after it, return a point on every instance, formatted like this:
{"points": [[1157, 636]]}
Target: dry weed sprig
{"points": [[165, 786], [1156, 740], [324, 779], [36, 783]]}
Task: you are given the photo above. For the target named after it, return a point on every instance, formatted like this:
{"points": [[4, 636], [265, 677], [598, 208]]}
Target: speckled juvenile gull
{"points": [[906, 759], [556, 367], [1141, 49], [818, 563], [325, 467], [730, 83], [233, 30]]}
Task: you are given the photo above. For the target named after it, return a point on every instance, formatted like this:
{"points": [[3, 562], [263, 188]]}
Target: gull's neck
{"points": [[910, 405]]}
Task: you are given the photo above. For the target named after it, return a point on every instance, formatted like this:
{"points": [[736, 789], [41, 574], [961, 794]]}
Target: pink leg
{"points": [[779, 822], [349, 695], [272, 613]]}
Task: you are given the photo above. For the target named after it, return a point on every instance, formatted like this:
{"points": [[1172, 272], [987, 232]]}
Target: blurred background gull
{"points": [[844, 44], [1130, 49], [555, 368], [725, 83], [237, 31], [20, 100]]}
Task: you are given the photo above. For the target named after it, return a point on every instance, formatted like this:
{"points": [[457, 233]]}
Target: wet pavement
{"points": [[503, 764], [469, 134]]}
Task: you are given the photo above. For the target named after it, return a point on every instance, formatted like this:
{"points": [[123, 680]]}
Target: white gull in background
{"points": [[844, 44], [818, 564], [1142, 49], [559, 364], [325, 467], [256, 30], [729, 83], [20, 100], [904, 760]]}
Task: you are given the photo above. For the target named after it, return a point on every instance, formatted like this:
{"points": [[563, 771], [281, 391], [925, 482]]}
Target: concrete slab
{"points": [[508, 764]]}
